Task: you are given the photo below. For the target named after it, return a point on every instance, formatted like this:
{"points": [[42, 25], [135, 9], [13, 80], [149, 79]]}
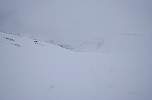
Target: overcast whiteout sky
{"points": [[75, 19], [37, 71]]}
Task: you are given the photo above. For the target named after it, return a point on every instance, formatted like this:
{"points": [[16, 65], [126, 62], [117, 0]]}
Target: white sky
{"points": [[75, 19]]}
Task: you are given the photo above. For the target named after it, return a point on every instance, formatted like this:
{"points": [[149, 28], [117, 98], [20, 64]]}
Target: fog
{"points": [[109, 56], [67, 20]]}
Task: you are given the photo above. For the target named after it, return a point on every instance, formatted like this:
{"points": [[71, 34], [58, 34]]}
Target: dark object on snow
{"points": [[65, 46], [35, 41], [10, 39]]}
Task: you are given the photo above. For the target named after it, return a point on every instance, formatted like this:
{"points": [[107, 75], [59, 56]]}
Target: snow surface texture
{"points": [[35, 70]]}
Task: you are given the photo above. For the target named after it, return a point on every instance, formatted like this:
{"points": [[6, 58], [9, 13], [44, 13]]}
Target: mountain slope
{"points": [[36, 70]]}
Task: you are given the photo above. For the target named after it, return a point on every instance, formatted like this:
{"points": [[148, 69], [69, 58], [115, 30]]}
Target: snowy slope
{"points": [[36, 70]]}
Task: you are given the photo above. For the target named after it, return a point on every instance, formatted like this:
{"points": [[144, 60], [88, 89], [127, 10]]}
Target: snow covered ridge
{"points": [[84, 46], [11, 38], [100, 45]]}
